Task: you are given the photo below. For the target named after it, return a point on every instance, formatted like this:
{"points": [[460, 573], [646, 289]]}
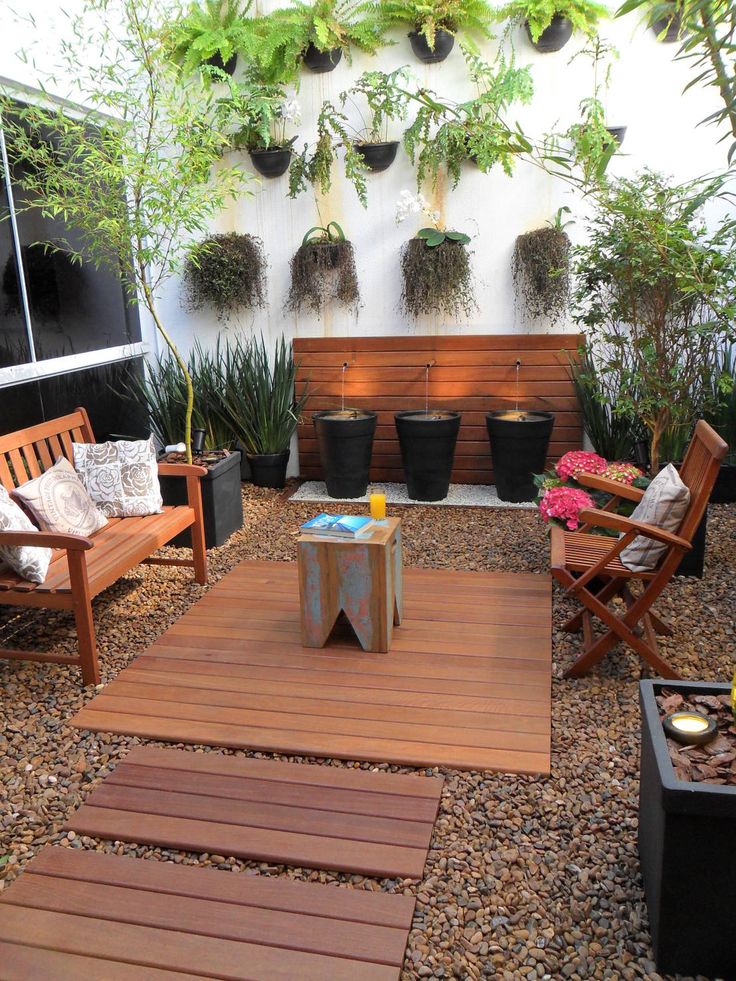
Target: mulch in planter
{"points": [[714, 762]]}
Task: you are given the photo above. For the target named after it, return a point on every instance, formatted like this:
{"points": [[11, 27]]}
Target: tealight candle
{"points": [[378, 506], [689, 728]]}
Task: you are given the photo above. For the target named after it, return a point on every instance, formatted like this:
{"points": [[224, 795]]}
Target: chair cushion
{"points": [[664, 505], [58, 501], [120, 477], [29, 561]]}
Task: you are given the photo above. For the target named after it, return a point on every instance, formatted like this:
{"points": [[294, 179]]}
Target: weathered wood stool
{"points": [[358, 577]]}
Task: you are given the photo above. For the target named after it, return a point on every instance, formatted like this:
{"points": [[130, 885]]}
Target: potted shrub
{"points": [[687, 831], [227, 273], [315, 34], [550, 25], [345, 440], [427, 438], [445, 134], [541, 270], [435, 266], [161, 391], [435, 23], [210, 33], [257, 116], [366, 147], [323, 271], [260, 404], [519, 442]]}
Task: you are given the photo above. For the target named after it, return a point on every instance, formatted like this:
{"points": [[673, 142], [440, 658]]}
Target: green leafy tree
{"points": [[655, 293], [584, 15], [132, 171], [469, 18]]}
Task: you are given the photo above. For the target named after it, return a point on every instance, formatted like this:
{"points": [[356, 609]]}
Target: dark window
{"points": [[14, 348]]}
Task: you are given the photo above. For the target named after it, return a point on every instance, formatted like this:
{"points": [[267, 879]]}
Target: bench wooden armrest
{"points": [[46, 539], [181, 470], [617, 522], [614, 487]]}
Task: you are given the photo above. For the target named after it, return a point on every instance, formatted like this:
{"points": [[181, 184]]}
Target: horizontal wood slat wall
{"points": [[473, 374]]}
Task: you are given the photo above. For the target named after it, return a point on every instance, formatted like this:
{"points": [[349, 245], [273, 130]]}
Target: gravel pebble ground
{"points": [[528, 877]]}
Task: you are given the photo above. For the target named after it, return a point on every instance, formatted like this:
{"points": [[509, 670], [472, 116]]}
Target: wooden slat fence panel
{"points": [[474, 374]]}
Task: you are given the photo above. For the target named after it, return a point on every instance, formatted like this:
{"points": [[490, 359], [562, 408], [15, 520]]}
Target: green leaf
{"points": [[460, 237]]}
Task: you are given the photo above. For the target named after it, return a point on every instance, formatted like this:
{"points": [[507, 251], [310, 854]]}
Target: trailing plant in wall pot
{"points": [[227, 273], [212, 32], [445, 134], [316, 34], [436, 23], [164, 154], [550, 24], [435, 266], [257, 116], [323, 271], [541, 270]]}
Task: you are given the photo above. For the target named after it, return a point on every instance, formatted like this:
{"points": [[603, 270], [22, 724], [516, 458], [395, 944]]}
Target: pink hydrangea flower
{"points": [[624, 473], [579, 461], [564, 504]]}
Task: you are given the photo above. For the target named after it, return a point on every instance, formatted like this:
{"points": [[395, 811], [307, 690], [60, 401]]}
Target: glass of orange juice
{"points": [[378, 507]]}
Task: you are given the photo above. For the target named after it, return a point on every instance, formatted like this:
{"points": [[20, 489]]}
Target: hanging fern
{"points": [[470, 18]]}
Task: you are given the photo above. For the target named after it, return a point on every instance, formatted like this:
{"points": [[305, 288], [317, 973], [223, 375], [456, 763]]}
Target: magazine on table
{"points": [[338, 525]]}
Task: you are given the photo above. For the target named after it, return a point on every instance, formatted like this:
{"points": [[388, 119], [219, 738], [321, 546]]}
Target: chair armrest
{"points": [[181, 470], [615, 487], [617, 522], [46, 539]]}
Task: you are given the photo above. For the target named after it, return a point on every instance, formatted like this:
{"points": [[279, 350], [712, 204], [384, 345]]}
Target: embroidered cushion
{"points": [[120, 477], [664, 504], [58, 501], [29, 561]]}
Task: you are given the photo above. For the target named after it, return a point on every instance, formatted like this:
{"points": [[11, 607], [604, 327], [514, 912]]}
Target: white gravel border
{"points": [[460, 495]]}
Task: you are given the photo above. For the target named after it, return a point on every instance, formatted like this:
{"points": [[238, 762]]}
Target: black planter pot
{"points": [[519, 442], [320, 62], [427, 441], [693, 561], [378, 156], [222, 504], [687, 848], [443, 45], [345, 440], [271, 163], [268, 469], [224, 66], [618, 133], [724, 489], [554, 37], [673, 27]]}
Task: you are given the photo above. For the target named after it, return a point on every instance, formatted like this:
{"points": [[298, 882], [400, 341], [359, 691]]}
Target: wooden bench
{"points": [[81, 568]]}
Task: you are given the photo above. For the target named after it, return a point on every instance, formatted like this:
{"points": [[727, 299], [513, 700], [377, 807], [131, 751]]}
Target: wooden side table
{"points": [[359, 577]]}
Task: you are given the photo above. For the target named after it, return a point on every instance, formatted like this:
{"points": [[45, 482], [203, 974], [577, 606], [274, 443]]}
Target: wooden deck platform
{"points": [[467, 683], [77, 915], [322, 817]]}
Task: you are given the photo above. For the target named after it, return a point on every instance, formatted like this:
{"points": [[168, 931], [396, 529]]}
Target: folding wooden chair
{"points": [[589, 565]]}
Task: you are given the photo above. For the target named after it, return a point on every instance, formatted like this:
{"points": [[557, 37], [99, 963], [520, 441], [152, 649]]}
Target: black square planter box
{"points": [[687, 847], [222, 503]]}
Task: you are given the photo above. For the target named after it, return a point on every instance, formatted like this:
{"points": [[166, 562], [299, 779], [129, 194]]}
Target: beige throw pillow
{"points": [[58, 501], [664, 504], [121, 477], [29, 561]]}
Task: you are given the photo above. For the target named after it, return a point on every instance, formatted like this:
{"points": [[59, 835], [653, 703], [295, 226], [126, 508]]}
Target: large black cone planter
{"points": [[345, 440], [519, 442], [427, 441], [687, 848]]}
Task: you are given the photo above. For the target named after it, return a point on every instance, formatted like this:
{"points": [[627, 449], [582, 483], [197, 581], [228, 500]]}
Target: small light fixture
{"points": [[689, 728]]}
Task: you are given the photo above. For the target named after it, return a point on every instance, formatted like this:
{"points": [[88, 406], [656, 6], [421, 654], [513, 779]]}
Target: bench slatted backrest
{"points": [[27, 453]]}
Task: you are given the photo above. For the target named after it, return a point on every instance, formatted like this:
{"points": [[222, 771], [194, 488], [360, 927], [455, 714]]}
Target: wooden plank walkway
{"points": [[89, 916], [467, 683], [294, 813]]}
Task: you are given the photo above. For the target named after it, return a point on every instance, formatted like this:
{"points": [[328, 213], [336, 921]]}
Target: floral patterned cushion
{"points": [[121, 477], [58, 501], [29, 561]]}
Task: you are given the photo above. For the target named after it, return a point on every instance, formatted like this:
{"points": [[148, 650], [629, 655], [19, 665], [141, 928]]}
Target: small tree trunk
{"points": [[660, 424]]}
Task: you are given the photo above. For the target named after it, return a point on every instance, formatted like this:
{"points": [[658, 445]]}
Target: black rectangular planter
{"points": [[221, 501], [687, 847]]}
